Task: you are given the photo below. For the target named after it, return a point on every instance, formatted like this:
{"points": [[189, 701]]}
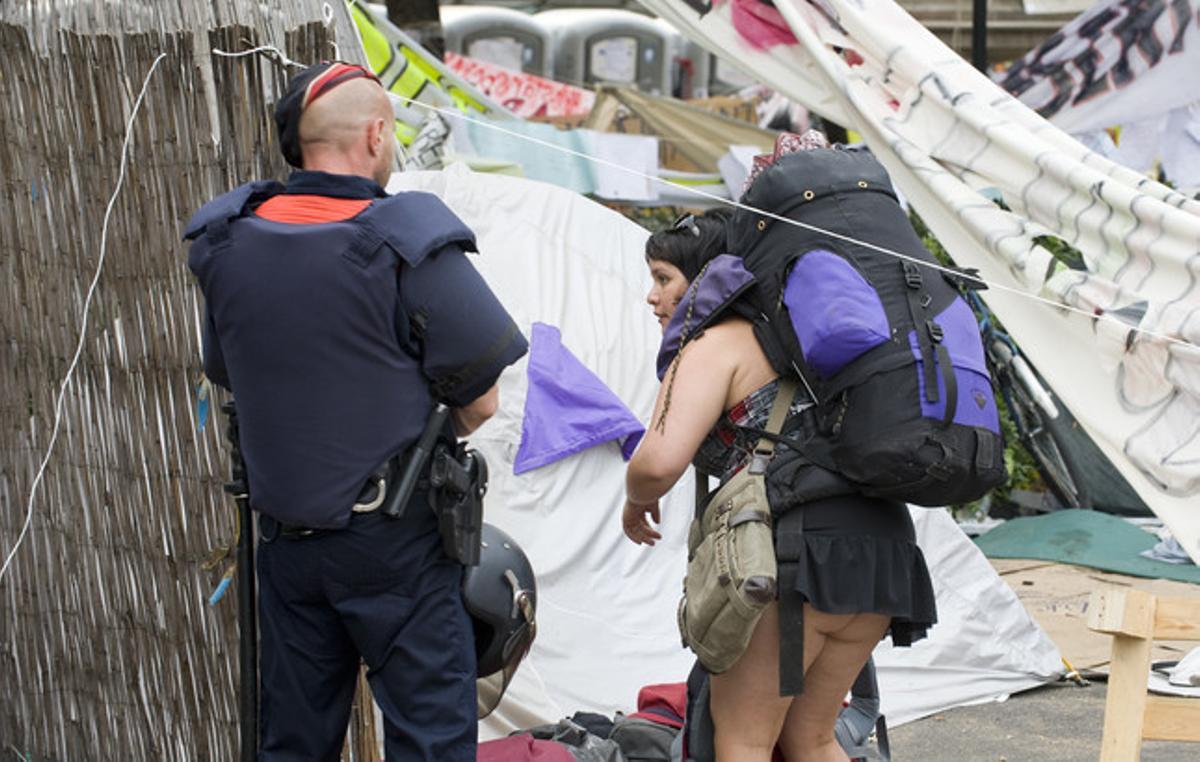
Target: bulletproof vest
{"points": [[317, 346]]}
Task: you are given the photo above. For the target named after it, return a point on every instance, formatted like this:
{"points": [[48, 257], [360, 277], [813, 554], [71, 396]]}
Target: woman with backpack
{"points": [[859, 573]]}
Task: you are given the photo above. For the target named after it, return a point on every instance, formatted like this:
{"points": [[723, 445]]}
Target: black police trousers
{"points": [[381, 590]]}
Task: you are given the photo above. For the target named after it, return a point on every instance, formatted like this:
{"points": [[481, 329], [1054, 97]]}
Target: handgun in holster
{"points": [[458, 481]]}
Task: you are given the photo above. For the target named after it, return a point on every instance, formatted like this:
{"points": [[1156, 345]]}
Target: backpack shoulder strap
{"points": [[415, 225]]}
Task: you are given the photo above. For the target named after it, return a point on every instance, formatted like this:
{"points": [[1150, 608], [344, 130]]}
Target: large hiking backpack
{"points": [[887, 346]]}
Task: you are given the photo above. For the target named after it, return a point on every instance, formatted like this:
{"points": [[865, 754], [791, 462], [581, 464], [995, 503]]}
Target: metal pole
{"points": [[238, 487], [979, 54]]}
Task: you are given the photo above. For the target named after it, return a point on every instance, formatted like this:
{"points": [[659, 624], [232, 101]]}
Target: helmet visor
{"points": [[490, 690]]}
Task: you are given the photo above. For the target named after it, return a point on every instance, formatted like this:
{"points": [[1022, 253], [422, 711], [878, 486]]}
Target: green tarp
{"points": [[1084, 538]]}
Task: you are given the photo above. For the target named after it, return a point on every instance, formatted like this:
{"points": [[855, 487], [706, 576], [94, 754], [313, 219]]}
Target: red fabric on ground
{"points": [[665, 704], [522, 748]]}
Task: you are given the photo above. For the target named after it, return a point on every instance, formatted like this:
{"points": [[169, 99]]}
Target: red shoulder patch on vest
{"points": [[303, 209]]}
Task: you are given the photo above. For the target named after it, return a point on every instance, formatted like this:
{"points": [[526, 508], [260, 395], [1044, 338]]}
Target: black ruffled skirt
{"points": [[859, 555]]}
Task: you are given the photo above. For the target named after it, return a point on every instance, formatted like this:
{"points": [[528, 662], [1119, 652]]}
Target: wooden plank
{"points": [[1122, 612], [1125, 705], [1169, 718], [1177, 619]]}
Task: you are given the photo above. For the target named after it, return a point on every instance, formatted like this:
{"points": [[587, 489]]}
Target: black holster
{"points": [[458, 481]]}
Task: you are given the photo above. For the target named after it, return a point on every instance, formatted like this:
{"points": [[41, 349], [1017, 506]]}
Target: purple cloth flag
{"points": [[567, 407]]}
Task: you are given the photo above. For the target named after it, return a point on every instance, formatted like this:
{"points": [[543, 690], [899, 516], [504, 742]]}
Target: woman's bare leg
{"points": [[747, 710], [835, 649]]}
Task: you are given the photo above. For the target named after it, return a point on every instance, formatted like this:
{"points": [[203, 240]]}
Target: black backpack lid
{"points": [[804, 176]]}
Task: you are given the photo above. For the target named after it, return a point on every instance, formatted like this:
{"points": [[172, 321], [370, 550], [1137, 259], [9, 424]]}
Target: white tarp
{"points": [[946, 134], [606, 607], [606, 616], [985, 646]]}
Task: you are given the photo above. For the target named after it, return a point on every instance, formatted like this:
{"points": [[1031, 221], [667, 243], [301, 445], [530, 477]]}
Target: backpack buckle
{"points": [[935, 331], [912, 275], [759, 461]]}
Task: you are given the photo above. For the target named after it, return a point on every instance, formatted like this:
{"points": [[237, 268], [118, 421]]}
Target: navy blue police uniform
{"points": [[337, 337]]}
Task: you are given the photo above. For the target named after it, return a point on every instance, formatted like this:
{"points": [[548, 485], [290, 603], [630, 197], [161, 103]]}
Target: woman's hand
{"points": [[637, 526]]}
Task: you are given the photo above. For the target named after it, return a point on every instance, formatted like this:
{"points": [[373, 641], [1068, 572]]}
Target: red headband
{"points": [[331, 78]]}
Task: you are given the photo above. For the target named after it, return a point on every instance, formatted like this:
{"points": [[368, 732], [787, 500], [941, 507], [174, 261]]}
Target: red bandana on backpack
{"points": [[787, 142]]}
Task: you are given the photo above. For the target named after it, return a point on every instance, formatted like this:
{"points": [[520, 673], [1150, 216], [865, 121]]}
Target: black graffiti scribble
{"points": [[1181, 10], [1087, 62], [1136, 31], [1131, 24], [1030, 70]]}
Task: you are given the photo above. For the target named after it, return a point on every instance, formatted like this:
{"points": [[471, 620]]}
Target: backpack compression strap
{"points": [[934, 354]]}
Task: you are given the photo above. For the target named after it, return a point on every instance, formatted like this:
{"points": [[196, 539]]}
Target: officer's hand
{"points": [[636, 525]]}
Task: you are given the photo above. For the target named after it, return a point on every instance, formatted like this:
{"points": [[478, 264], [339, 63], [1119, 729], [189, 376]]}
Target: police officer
{"points": [[338, 315]]}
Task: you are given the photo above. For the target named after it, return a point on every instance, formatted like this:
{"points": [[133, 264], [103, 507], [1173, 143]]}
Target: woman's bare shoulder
{"points": [[731, 328]]}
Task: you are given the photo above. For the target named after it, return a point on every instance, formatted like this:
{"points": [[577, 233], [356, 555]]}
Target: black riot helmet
{"points": [[500, 594]]}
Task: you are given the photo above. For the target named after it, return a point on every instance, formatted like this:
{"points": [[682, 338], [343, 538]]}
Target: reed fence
{"points": [[108, 649]]}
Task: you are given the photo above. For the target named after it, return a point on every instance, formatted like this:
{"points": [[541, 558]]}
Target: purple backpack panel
{"points": [[836, 314], [976, 401]]}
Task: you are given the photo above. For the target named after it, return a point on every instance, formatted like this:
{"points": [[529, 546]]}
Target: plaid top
{"points": [[728, 447]]}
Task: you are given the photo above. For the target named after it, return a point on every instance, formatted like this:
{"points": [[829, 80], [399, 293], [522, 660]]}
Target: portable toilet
{"points": [[725, 78], [593, 45], [685, 59], [500, 36]]}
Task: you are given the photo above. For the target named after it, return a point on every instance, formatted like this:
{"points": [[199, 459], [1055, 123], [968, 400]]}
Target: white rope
{"points": [[797, 223], [456, 114], [87, 303], [283, 59]]}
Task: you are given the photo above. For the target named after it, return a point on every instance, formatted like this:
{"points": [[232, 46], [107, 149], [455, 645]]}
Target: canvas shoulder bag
{"points": [[731, 573]]}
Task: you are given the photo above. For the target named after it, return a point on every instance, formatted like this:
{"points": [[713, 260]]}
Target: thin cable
{"points": [[87, 303], [797, 223]]}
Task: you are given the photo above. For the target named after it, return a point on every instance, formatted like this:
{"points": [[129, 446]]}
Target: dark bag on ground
{"points": [[888, 347]]}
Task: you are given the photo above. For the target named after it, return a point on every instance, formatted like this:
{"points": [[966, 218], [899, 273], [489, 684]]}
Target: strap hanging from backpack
{"points": [[788, 543], [934, 354]]}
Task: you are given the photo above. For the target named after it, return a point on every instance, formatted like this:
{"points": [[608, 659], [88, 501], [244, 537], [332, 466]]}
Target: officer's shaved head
{"points": [[349, 130]]}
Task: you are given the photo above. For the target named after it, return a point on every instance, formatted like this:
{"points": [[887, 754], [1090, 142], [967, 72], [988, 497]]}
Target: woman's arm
{"points": [[693, 402]]}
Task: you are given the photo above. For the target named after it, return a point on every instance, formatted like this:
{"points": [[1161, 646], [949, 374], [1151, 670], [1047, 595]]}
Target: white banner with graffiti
{"points": [[526, 95], [1120, 61], [1125, 359]]}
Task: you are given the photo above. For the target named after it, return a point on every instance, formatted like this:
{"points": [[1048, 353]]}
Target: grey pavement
{"points": [[1056, 723]]}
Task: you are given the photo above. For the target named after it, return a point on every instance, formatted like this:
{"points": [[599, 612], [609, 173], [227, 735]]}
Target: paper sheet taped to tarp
{"points": [[567, 408]]}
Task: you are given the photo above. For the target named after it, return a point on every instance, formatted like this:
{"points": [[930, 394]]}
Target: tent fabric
{"points": [[1085, 538], [606, 607], [952, 140], [567, 408], [985, 646], [702, 136], [606, 613]]}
